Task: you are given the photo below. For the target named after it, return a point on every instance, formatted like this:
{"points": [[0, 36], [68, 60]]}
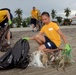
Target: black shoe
{"points": [[5, 49], [32, 30]]}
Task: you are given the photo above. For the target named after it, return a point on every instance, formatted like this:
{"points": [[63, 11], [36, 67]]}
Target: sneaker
{"points": [[8, 43], [5, 49]]}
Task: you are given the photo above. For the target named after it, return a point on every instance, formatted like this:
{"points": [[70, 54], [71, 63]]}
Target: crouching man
{"points": [[49, 36]]}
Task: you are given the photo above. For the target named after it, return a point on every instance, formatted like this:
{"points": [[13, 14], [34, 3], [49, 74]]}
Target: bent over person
{"points": [[5, 19], [49, 36]]}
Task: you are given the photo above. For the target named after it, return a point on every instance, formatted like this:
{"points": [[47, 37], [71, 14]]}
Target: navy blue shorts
{"points": [[2, 24], [49, 44], [33, 21]]}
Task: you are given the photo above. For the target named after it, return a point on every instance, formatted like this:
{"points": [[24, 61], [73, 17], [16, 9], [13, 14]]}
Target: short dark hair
{"points": [[6, 9], [33, 7], [45, 13]]}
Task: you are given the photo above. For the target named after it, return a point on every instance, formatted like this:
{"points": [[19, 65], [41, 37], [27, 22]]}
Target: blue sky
{"points": [[42, 5]]}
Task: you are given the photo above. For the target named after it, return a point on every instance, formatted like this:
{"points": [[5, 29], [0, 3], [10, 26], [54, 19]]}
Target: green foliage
{"points": [[67, 12], [18, 18], [24, 23], [18, 12], [19, 21], [59, 19], [53, 13], [28, 20]]}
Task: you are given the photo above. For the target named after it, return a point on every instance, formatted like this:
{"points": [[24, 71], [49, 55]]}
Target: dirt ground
{"points": [[71, 70]]}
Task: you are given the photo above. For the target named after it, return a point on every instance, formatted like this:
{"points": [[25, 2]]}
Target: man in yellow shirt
{"points": [[5, 18], [49, 36], [34, 18]]}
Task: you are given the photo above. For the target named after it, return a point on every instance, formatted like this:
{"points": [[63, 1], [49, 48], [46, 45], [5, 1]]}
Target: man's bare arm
{"points": [[62, 35]]}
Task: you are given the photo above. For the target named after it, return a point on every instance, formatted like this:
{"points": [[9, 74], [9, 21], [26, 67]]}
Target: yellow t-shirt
{"points": [[34, 14], [50, 31], [3, 15]]}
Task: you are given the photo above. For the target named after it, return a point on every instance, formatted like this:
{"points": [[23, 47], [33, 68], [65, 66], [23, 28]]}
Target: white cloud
{"points": [[73, 12]]}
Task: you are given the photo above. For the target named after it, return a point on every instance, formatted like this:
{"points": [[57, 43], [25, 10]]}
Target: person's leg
{"points": [[33, 22], [40, 39], [8, 33], [33, 26], [42, 47], [37, 25], [50, 50], [8, 37], [49, 45]]}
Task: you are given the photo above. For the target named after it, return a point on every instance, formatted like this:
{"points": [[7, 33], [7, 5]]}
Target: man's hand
{"points": [[9, 22], [25, 38]]}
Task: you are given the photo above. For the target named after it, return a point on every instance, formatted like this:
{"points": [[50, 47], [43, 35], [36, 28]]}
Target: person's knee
{"points": [[42, 47], [33, 25], [40, 37], [8, 34], [37, 36]]}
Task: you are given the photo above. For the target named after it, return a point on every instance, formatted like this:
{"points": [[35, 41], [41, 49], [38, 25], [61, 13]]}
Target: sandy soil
{"points": [[71, 70]]}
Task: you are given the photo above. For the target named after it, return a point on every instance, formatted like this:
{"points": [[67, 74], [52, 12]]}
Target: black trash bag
{"points": [[16, 57]]}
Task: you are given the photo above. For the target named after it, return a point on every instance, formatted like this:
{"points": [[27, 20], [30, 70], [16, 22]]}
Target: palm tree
{"points": [[18, 13], [59, 19], [67, 12], [24, 23], [53, 13], [28, 20]]}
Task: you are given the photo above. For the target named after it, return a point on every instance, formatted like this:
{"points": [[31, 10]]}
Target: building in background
{"points": [[73, 20]]}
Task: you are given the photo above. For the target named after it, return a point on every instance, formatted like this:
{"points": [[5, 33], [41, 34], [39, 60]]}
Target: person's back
{"points": [[3, 15]]}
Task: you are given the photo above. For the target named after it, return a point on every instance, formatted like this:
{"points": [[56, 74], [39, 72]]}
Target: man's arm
{"points": [[67, 46], [62, 35], [33, 37], [34, 17], [8, 15]]}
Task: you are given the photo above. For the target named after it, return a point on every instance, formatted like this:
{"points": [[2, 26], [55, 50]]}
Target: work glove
{"points": [[25, 38], [67, 47], [9, 22], [67, 50]]}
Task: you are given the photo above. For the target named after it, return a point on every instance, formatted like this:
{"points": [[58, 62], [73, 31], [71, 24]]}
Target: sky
{"points": [[42, 5]]}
